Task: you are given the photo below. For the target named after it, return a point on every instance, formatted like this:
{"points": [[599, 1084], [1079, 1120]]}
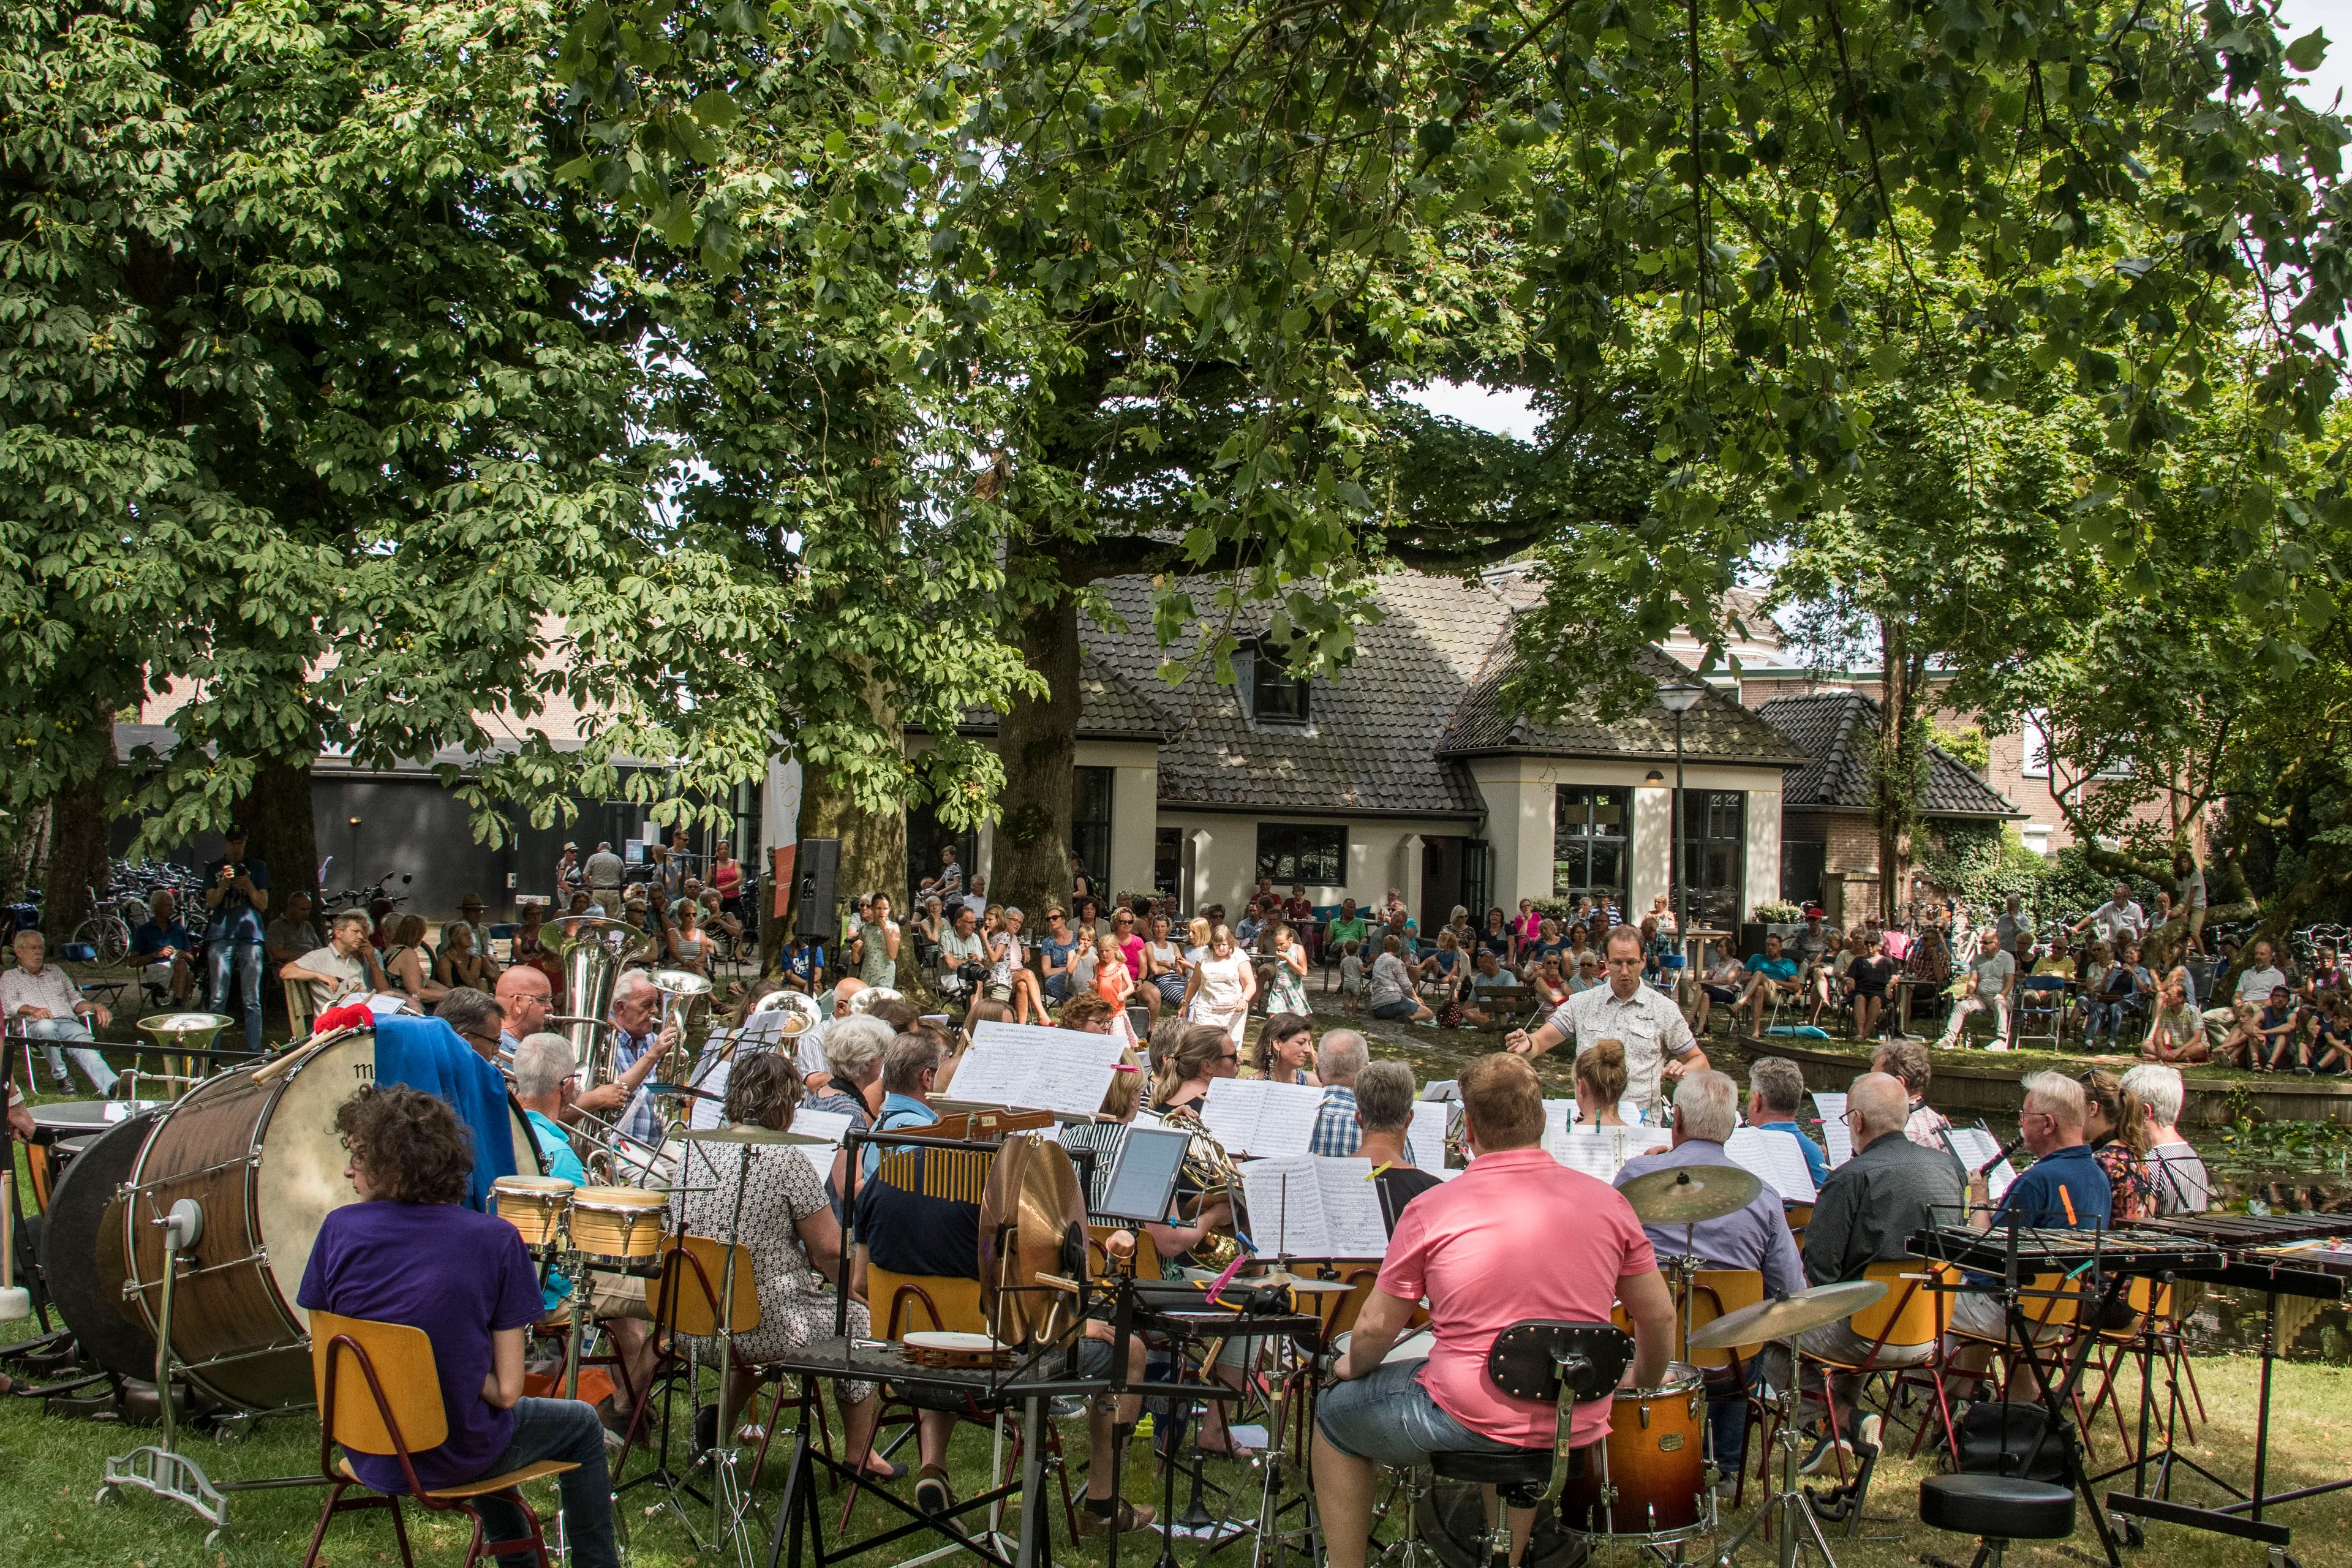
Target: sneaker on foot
{"points": [[1866, 1433], [932, 1493], [1825, 1452], [1997, 1045]]}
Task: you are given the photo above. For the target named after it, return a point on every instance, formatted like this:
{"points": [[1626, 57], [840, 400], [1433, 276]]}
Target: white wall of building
{"points": [[1134, 807], [1383, 853], [1521, 796]]}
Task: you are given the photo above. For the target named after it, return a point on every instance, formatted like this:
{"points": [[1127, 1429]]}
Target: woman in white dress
{"points": [[1221, 986], [796, 1261]]}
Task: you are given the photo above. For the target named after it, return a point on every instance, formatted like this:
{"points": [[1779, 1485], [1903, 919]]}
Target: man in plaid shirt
{"points": [[1337, 1059]]}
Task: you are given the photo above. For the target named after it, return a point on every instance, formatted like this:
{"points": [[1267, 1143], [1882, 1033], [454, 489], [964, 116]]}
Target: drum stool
{"points": [[1519, 1479], [1997, 1509]]}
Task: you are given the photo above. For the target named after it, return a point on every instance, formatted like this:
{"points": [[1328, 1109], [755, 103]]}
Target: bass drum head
{"points": [[1452, 1516], [300, 1180], [82, 1251]]}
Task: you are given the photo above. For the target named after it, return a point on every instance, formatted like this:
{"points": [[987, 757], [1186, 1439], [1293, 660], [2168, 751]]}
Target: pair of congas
{"points": [[614, 1228]]}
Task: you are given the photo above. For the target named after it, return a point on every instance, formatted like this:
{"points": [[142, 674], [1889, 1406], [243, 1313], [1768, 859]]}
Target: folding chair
{"points": [[402, 1414], [1717, 1293], [2038, 1009], [301, 1008], [1908, 1317]]}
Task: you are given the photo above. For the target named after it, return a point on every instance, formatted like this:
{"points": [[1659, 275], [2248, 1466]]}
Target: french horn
{"points": [[1208, 1167]]}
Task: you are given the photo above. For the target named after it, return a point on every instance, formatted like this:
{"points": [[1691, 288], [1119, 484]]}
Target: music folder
{"points": [[1314, 1205]]}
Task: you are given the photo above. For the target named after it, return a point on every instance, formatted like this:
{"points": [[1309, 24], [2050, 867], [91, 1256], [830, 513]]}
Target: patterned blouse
{"points": [[2130, 1181]]}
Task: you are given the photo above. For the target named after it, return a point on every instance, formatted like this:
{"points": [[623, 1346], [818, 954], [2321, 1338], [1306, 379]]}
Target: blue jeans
{"points": [[85, 1055], [1389, 1419], [2111, 1016], [245, 959], [1406, 1008], [563, 1429]]}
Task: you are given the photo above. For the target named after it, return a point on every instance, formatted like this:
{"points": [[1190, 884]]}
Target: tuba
{"points": [[872, 997], [802, 1013], [593, 951]]}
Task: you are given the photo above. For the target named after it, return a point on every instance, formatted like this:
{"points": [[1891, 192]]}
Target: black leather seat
{"points": [[1521, 1466], [1997, 1508]]}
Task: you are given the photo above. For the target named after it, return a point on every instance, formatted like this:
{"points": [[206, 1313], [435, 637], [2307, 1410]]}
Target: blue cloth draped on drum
{"points": [[427, 1054]]}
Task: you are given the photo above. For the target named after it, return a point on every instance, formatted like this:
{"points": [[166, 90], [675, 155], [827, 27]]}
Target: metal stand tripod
{"points": [[160, 1467], [1788, 1507]]}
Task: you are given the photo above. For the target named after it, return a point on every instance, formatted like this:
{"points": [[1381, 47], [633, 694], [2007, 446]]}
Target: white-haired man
{"points": [[43, 1001], [1338, 1058], [345, 968], [808, 1052], [637, 1046], [2182, 1185]]}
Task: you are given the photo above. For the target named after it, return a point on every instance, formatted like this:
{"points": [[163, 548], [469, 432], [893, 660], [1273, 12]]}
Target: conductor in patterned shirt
{"points": [[1658, 1040]]}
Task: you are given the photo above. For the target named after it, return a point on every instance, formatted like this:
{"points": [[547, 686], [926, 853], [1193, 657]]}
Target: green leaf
{"points": [[2305, 53], [716, 108]]}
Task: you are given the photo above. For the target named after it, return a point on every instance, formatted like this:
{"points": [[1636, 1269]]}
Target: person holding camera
{"points": [[236, 895], [963, 957]]}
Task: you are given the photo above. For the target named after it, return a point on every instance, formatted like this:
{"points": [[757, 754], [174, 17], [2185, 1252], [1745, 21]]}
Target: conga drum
{"points": [[264, 1162]]}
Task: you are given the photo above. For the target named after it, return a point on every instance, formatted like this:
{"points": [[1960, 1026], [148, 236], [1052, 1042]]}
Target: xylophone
{"points": [[2015, 1250]]}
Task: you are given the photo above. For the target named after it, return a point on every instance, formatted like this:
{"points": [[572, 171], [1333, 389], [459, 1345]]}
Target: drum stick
{"points": [[287, 1063]]}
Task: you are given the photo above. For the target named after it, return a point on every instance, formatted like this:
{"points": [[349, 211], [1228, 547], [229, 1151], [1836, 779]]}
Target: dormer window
{"points": [[1275, 695]]}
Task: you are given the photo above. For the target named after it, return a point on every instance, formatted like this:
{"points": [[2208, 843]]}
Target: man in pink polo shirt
{"points": [[1516, 1236]]}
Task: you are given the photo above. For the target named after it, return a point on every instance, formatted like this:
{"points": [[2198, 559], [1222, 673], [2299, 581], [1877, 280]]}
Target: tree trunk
{"points": [[873, 844], [1889, 800], [30, 848], [78, 816], [1038, 739], [281, 831]]}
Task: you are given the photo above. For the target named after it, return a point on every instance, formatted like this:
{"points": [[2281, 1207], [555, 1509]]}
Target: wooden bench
{"points": [[1514, 1003]]}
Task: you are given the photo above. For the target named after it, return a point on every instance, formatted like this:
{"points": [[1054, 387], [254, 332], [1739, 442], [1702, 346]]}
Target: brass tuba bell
{"points": [[592, 950]]}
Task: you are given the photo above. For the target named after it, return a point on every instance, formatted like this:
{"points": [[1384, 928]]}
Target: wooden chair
{"points": [[1909, 1316], [401, 1414], [1717, 1293]]}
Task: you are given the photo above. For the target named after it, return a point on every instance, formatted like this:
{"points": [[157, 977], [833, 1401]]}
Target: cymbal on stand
{"points": [[1689, 1194], [1786, 1317]]}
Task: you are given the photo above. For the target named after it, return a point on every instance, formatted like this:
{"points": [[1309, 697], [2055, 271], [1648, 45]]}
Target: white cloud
{"points": [[1504, 413]]}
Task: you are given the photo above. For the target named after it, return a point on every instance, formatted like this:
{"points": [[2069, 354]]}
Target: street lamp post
{"points": [[1680, 698]]}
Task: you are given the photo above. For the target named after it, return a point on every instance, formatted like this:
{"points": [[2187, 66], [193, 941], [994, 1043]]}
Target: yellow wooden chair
{"points": [[1909, 1318], [398, 1411]]}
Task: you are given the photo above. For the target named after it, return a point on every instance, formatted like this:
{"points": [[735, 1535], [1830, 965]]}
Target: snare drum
{"points": [[535, 1206], [1646, 1482], [619, 1227]]}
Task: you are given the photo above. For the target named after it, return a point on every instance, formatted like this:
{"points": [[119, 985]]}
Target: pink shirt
{"points": [[1132, 951], [1530, 926], [1516, 1236]]}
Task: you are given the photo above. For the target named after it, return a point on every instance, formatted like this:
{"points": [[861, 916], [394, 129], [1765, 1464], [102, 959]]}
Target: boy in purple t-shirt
{"points": [[411, 1253]]}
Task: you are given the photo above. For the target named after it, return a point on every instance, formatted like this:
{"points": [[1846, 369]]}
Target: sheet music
{"points": [[703, 1115], [1975, 1146], [1601, 1151], [1257, 1116], [1033, 1068], [1312, 1205], [1837, 1138], [1774, 1160], [1425, 1139], [1441, 1089]]}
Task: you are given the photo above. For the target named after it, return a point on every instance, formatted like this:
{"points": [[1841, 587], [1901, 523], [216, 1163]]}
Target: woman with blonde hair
{"points": [[404, 961], [1600, 1084], [2118, 1131], [1221, 986], [459, 965], [1202, 1053]]}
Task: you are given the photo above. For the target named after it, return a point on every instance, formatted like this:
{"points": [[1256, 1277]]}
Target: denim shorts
{"points": [[1389, 1419], [1399, 1009]]}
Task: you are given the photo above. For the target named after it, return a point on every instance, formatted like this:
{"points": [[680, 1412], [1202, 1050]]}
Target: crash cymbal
{"points": [[1033, 1223], [1786, 1317], [1687, 1195], [746, 1132]]}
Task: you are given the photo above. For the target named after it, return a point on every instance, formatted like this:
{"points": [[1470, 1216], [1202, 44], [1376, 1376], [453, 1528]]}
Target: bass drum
{"points": [[81, 1258], [264, 1162]]}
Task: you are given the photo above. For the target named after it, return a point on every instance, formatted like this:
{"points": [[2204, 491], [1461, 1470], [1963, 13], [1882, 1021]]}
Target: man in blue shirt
{"points": [[2065, 1188], [546, 1078], [1776, 1090], [1757, 1236], [163, 942], [236, 895], [638, 1045], [1339, 1057], [1768, 972], [909, 1070]]}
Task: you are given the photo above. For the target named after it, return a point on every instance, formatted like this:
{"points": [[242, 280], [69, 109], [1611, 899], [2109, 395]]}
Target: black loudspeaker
{"points": [[816, 891]]}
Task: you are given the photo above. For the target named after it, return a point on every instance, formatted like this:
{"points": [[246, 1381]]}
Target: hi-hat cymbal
{"points": [[1298, 1283], [1786, 1317], [1687, 1195]]}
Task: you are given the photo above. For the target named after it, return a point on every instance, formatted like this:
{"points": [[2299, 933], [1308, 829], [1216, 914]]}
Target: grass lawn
{"points": [[51, 1468]]}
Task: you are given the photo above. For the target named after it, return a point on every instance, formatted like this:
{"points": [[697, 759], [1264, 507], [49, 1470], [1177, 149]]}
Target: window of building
{"points": [[1301, 854], [1090, 825], [1276, 696], [2034, 764], [1592, 830], [1715, 855], [1169, 879]]}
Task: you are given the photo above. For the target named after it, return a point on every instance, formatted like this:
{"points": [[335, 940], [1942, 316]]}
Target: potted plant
{"points": [[1781, 916]]}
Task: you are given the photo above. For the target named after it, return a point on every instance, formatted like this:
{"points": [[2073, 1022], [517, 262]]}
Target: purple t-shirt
{"points": [[457, 1275]]}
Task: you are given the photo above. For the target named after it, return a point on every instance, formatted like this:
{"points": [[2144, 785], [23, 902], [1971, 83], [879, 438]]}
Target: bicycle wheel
{"points": [[106, 936]]}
